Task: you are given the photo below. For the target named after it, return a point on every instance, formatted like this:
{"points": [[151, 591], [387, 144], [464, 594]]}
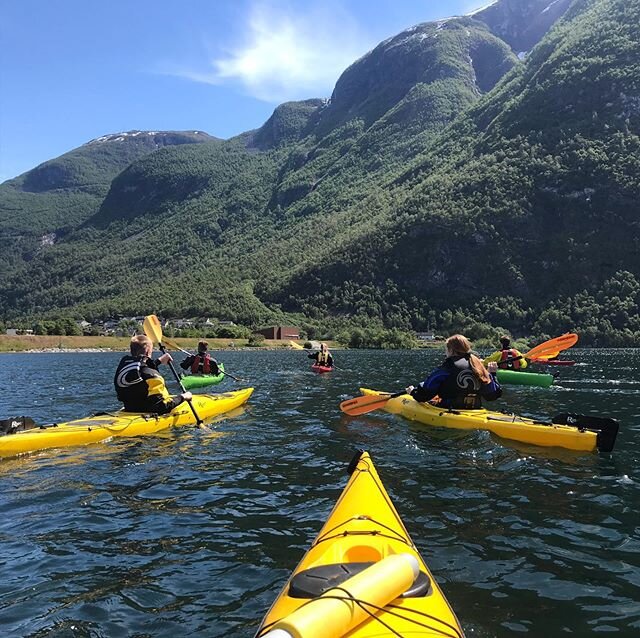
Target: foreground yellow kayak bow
{"points": [[362, 577]]}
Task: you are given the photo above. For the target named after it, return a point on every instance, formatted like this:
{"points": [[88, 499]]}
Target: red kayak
{"points": [[553, 362], [316, 368]]}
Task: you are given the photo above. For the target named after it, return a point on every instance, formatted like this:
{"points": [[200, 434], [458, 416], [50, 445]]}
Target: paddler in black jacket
{"points": [[201, 363], [138, 383], [461, 381]]}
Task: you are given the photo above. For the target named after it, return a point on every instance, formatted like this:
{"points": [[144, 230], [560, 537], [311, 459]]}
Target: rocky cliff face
{"points": [[422, 55], [522, 23]]}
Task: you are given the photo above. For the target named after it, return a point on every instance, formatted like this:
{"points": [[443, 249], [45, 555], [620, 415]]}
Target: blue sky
{"points": [[73, 70]]}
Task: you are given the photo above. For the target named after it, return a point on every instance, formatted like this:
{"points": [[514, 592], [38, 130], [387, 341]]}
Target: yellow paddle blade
{"points": [[296, 346], [152, 328], [553, 346]]}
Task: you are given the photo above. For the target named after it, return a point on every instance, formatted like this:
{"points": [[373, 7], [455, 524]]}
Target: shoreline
{"points": [[43, 344]]}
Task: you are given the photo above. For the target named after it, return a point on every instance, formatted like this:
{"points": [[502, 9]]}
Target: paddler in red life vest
{"points": [[323, 356], [507, 358], [201, 363]]}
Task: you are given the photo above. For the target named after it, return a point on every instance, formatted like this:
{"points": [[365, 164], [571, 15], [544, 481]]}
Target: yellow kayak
{"points": [[363, 553], [125, 424], [507, 426]]}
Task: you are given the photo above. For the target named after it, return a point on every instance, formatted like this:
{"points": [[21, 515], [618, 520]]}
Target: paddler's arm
{"points": [[523, 361], [429, 388], [185, 364], [493, 390], [494, 357]]}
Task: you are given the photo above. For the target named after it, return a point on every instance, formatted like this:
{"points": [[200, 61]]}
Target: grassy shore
{"points": [[118, 344]]}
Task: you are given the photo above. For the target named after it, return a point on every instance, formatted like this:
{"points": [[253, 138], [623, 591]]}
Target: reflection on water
{"points": [[193, 531]]}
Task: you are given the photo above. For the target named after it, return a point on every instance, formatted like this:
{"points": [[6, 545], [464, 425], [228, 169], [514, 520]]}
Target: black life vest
{"points": [[461, 389], [201, 364]]}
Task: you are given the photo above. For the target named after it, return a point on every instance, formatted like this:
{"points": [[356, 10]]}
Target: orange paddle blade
{"points": [[553, 347], [363, 405]]}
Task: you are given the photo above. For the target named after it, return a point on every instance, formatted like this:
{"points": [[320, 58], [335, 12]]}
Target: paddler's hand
{"points": [[492, 367], [409, 389], [165, 358], [186, 396]]}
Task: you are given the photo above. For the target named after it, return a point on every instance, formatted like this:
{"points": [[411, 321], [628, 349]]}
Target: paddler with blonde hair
{"points": [[461, 381]]}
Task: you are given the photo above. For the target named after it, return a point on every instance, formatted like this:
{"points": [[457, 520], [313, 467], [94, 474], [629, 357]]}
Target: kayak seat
{"points": [[315, 581]]}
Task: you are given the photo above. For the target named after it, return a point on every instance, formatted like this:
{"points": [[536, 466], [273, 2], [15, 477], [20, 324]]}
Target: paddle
{"points": [[553, 362], [365, 404], [174, 346], [153, 330], [607, 429], [546, 350], [550, 349]]}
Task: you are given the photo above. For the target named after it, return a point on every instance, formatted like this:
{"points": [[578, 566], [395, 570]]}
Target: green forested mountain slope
{"points": [[532, 194], [426, 191], [44, 204]]}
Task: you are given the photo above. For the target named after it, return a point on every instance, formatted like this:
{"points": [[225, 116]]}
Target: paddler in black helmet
{"points": [[507, 358], [323, 356], [201, 363]]}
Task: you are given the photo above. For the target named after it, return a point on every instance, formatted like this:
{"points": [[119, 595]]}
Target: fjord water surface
{"points": [[194, 531]]}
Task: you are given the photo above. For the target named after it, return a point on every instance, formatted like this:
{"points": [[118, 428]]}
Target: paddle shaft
{"points": [[177, 377]]}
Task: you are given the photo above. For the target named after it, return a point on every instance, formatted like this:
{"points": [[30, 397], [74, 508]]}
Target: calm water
{"points": [[193, 532]]}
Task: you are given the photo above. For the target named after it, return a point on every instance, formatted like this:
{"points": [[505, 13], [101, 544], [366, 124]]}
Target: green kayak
{"points": [[202, 380], [514, 377]]}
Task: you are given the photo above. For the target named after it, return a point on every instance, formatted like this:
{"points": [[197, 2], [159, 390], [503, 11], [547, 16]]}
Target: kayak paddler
{"points": [[201, 363], [138, 383], [461, 381], [323, 356], [507, 358]]}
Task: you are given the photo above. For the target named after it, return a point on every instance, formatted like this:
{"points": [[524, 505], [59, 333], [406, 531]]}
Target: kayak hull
{"points": [[94, 429], [364, 526], [192, 381], [515, 377], [321, 369], [506, 426]]}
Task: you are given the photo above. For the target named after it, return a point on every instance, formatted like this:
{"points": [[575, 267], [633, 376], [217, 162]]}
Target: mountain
{"points": [[522, 23], [445, 183], [531, 194], [41, 206]]}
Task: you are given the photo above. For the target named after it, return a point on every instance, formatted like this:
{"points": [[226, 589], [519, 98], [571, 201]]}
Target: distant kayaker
{"points": [[138, 383], [507, 358], [323, 356], [201, 363], [461, 381]]}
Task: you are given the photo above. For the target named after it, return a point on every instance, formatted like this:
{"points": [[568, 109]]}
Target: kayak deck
{"points": [[363, 528], [98, 428], [505, 426]]}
